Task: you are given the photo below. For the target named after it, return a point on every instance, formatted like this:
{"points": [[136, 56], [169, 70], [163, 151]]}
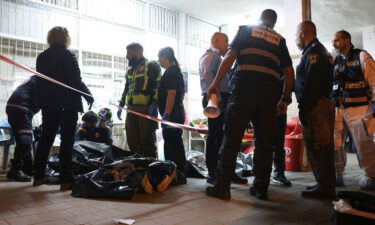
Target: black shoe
{"points": [[311, 187], [52, 180], [281, 181], [66, 187], [317, 193], [28, 172], [211, 180], [218, 192], [180, 178], [38, 182], [259, 194], [18, 175], [247, 173], [238, 180]]}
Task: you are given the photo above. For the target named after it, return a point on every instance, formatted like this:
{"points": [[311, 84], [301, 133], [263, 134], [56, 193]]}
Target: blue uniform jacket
{"points": [[314, 75]]}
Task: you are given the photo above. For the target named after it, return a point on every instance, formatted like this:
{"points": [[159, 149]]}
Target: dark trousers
{"points": [[174, 148], [245, 105], [215, 135], [51, 121], [22, 122], [140, 132], [318, 127], [279, 154]]}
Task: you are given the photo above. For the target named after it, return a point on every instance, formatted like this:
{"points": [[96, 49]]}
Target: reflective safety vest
{"points": [[260, 50], [349, 85], [138, 78]]}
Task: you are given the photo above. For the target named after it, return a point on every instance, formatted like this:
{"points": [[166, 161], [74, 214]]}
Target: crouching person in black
{"points": [[92, 130], [20, 110]]}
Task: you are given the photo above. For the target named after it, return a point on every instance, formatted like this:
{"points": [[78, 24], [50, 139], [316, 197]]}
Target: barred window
{"points": [[199, 32], [163, 20], [23, 52], [97, 65], [71, 4], [127, 12], [119, 68]]}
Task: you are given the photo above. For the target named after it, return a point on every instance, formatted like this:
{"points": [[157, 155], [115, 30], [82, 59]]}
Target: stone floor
{"points": [[20, 203]]}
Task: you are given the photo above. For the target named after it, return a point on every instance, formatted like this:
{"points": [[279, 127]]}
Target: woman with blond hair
{"points": [[60, 106]]}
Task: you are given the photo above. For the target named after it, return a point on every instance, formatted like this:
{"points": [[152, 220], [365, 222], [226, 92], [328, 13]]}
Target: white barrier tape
{"points": [[172, 124]]}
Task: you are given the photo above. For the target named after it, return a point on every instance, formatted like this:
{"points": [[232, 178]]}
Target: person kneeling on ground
{"points": [[91, 130]]}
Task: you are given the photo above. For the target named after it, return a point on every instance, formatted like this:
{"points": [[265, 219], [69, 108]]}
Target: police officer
{"points": [[20, 110], [316, 111], [354, 97], [261, 54], [140, 95]]}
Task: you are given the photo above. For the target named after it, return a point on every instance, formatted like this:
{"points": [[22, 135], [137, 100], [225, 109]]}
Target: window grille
{"points": [[71, 4], [119, 67], [97, 65], [163, 20], [199, 32]]}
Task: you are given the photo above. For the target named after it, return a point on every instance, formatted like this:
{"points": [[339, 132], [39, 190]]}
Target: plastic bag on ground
{"points": [[123, 178], [120, 179], [87, 156], [161, 174]]}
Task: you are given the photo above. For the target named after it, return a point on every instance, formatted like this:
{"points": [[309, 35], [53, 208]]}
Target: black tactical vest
{"points": [[349, 82]]}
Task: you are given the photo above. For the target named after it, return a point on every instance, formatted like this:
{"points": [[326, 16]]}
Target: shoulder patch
{"points": [[313, 58]]}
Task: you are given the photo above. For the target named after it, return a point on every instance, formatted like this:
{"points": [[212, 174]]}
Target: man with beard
{"points": [[140, 94], [316, 111], [354, 97]]}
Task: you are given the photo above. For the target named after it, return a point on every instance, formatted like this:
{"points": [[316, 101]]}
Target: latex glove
{"points": [[153, 110], [165, 117], [119, 112], [90, 101]]}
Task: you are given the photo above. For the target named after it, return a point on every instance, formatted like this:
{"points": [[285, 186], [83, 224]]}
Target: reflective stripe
{"points": [[268, 36], [358, 99], [261, 69], [260, 52], [20, 107]]}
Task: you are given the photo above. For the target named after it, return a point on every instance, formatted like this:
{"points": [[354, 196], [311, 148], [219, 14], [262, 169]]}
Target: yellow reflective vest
{"points": [[140, 88]]}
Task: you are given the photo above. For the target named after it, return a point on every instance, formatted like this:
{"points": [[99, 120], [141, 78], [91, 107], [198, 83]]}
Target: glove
{"points": [[165, 117], [153, 110], [119, 112], [90, 101]]}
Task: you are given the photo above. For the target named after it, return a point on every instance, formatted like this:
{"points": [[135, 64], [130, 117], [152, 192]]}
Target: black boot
{"points": [[219, 191], [259, 194], [238, 180], [18, 175], [318, 192]]}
